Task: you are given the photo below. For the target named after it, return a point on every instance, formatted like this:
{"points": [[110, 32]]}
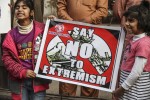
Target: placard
{"points": [[80, 53]]}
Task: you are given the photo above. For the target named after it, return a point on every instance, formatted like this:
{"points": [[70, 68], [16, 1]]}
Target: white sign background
{"points": [[5, 16]]}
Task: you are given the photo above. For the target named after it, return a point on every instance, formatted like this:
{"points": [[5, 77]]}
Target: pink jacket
{"points": [[12, 62]]}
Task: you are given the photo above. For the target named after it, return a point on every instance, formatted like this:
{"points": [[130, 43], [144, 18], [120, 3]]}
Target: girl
{"points": [[20, 50], [135, 67]]}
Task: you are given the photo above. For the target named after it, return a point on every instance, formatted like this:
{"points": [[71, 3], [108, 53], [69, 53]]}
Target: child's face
{"points": [[131, 25], [23, 12]]}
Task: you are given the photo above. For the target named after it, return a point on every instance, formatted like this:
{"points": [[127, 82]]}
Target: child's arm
{"points": [[10, 60], [14, 68], [136, 71]]}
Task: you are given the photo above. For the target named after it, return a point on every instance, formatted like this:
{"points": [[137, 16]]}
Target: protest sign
{"points": [[79, 53]]}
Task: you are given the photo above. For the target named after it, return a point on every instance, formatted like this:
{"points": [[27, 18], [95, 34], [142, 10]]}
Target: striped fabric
{"points": [[140, 90]]}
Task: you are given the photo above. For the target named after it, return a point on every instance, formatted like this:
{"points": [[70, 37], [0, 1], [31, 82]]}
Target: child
{"points": [[135, 67], [20, 50]]}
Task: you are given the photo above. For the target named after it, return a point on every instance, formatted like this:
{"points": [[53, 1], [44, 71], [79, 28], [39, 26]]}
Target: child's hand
{"points": [[10, 5], [52, 17], [118, 92], [30, 74]]}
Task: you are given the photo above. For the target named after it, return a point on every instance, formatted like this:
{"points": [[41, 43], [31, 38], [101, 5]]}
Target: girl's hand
{"points": [[118, 92], [11, 6], [30, 74], [52, 17]]}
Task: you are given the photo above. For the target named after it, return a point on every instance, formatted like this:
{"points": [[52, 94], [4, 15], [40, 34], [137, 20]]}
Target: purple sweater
{"points": [[24, 44]]}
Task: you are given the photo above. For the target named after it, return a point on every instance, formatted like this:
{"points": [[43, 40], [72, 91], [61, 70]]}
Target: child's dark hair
{"points": [[142, 14], [29, 4]]}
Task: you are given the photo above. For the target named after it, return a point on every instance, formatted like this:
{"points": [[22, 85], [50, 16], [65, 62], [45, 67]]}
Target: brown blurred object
{"points": [[38, 10]]}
